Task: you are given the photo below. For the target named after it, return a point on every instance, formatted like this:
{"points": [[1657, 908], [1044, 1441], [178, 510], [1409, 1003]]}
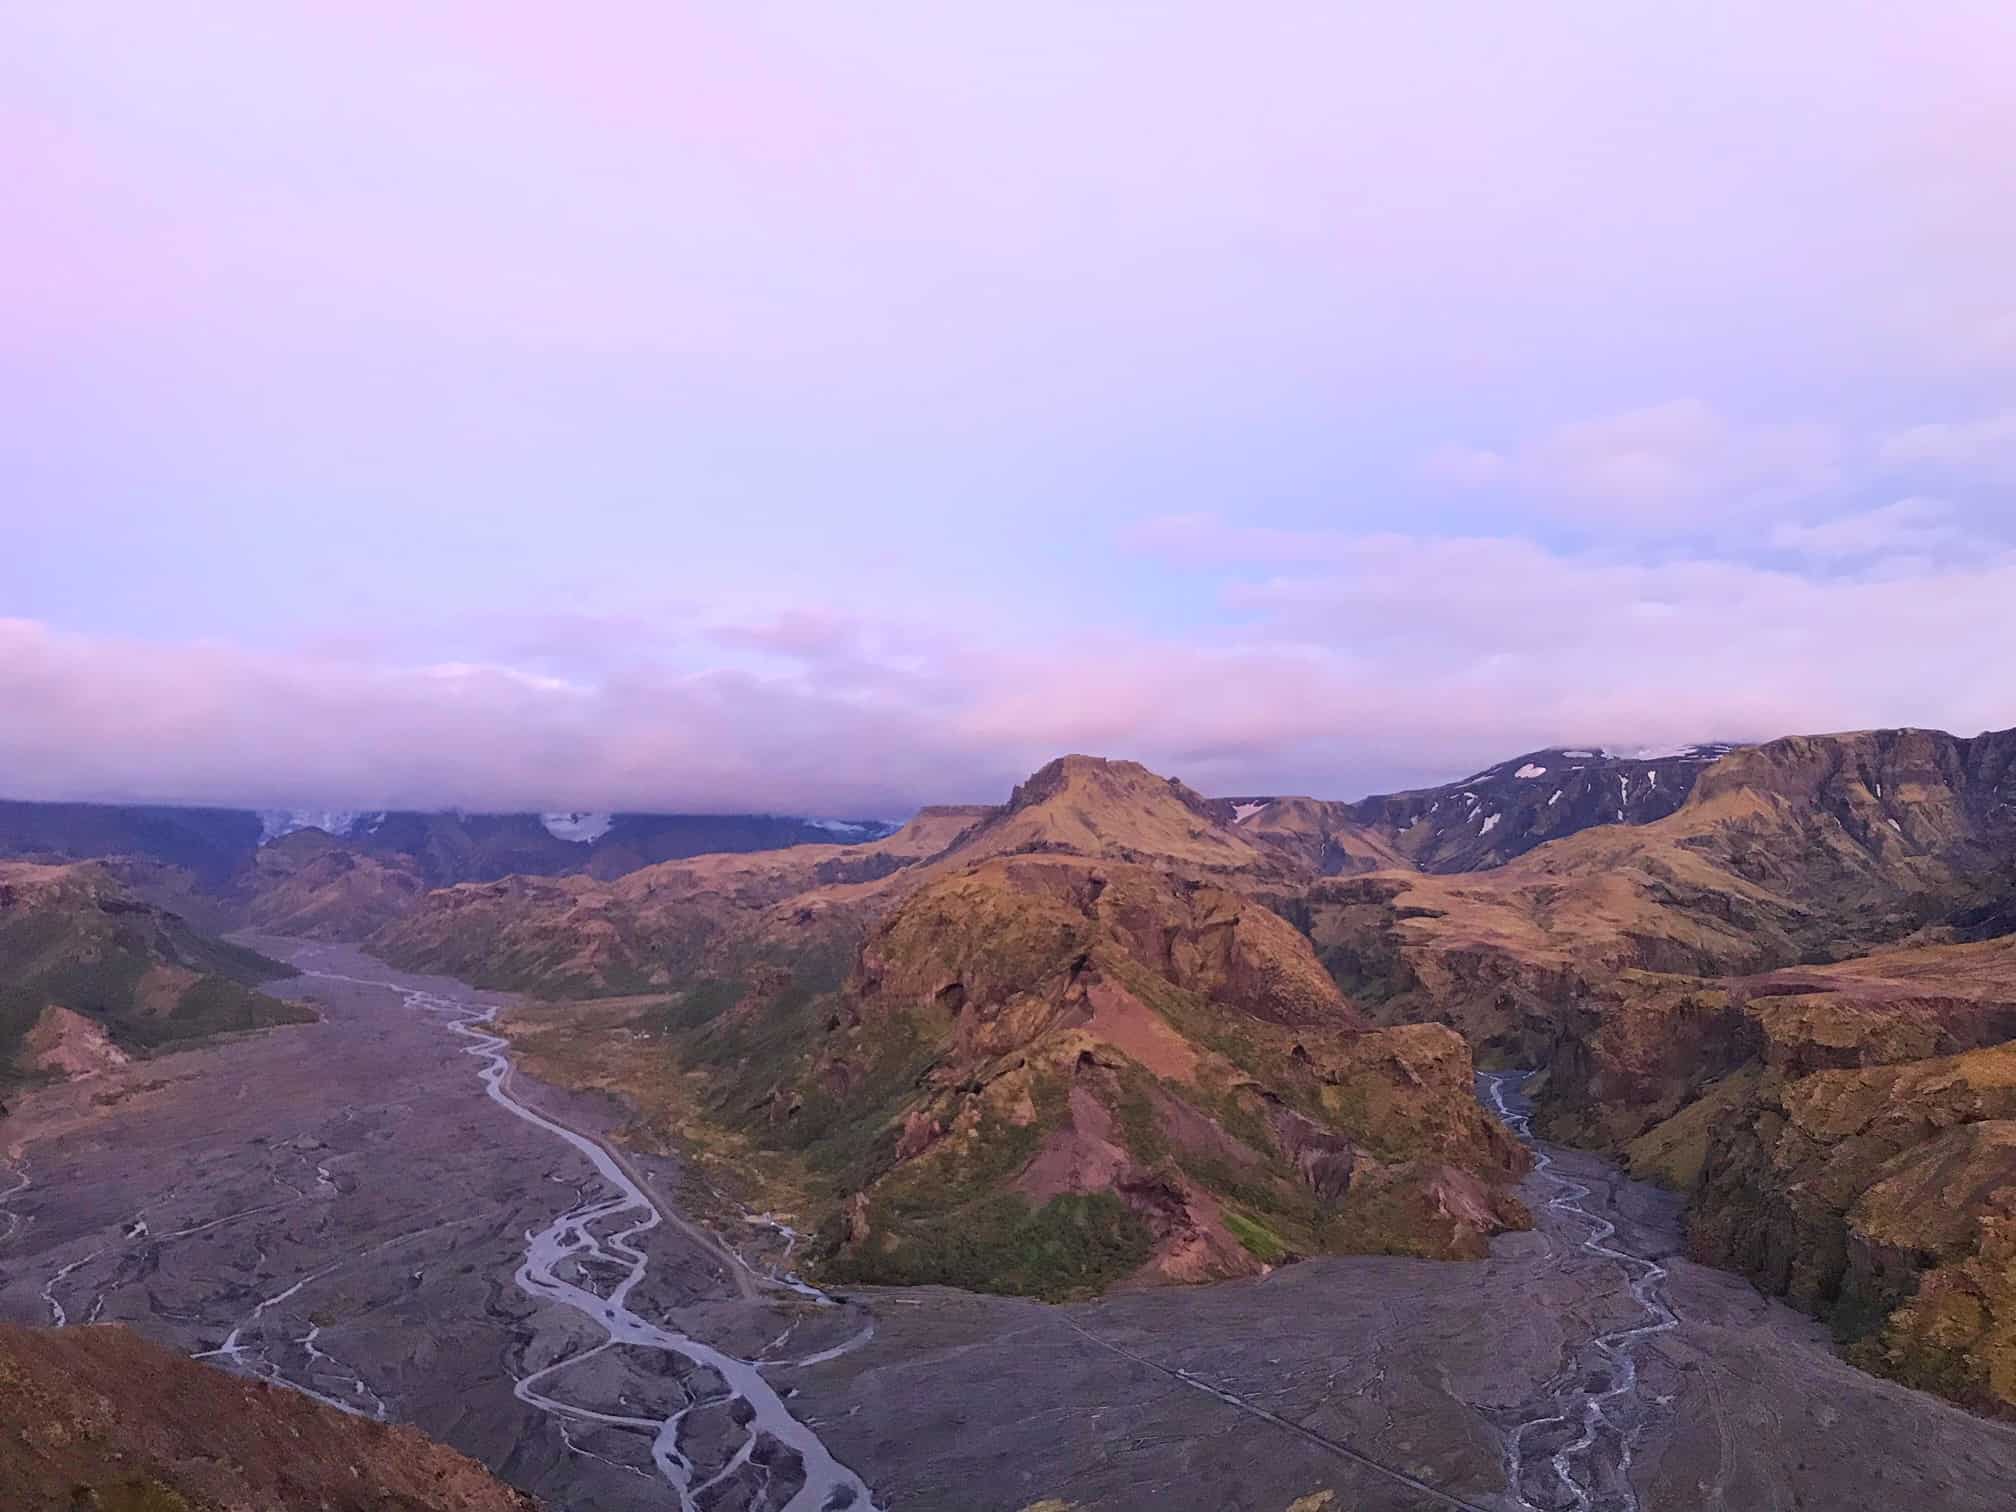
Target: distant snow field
{"points": [[1529, 771], [1241, 812], [273, 823], [856, 829], [582, 829]]}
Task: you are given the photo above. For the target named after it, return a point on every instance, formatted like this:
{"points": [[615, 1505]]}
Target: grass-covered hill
{"points": [[89, 971]]}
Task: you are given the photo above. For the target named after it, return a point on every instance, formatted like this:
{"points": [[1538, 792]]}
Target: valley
{"points": [[1056, 1153], [363, 1209]]}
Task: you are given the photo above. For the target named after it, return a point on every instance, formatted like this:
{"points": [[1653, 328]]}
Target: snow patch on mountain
{"points": [[581, 828], [1679, 753], [1241, 812], [273, 823], [1530, 771], [855, 829]]}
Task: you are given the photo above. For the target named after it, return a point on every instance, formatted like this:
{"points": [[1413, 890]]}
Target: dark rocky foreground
{"points": [[341, 1205]]}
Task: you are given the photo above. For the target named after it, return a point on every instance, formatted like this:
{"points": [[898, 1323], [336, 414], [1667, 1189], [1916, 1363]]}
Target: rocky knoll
{"points": [[99, 1418], [88, 971]]}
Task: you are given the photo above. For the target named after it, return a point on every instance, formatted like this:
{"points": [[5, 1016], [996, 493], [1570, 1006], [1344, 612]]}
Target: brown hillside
{"points": [[1319, 838], [660, 926], [1803, 850], [310, 885], [97, 1417]]}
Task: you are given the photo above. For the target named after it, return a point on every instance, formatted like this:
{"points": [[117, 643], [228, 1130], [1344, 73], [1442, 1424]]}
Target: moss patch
{"points": [[1073, 1245]]}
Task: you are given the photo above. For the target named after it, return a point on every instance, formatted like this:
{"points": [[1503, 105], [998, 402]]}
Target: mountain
{"points": [[1057, 1042], [447, 848], [1777, 999], [1807, 849], [308, 883], [89, 972], [656, 926], [1112, 1030], [1121, 811], [99, 1418], [209, 843], [1506, 810], [285, 870], [1315, 836], [1064, 1048]]}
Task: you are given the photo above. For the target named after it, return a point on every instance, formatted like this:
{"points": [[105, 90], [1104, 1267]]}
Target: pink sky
{"points": [[799, 408]]}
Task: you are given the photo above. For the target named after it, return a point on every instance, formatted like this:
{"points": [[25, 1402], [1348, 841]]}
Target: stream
{"points": [[1572, 1451], [599, 1235]]}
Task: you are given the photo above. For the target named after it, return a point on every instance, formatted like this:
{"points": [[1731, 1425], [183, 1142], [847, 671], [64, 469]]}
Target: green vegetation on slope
{"points": [[70, 937]]}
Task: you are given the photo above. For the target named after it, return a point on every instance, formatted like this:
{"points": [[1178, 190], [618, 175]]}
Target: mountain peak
{"points": [[1093, 806], [1101, 779]]}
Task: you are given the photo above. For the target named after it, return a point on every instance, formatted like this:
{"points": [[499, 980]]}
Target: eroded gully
{"points": [[1570, 1449]]}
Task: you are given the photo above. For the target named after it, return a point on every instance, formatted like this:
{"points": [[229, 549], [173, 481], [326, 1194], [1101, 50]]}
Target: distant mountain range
{"points": [[214, 844]]}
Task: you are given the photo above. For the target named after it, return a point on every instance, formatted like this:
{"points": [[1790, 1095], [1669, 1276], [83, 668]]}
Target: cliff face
{"points": [[98, 1417], [1845, 1132], [1881, 1198]]}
